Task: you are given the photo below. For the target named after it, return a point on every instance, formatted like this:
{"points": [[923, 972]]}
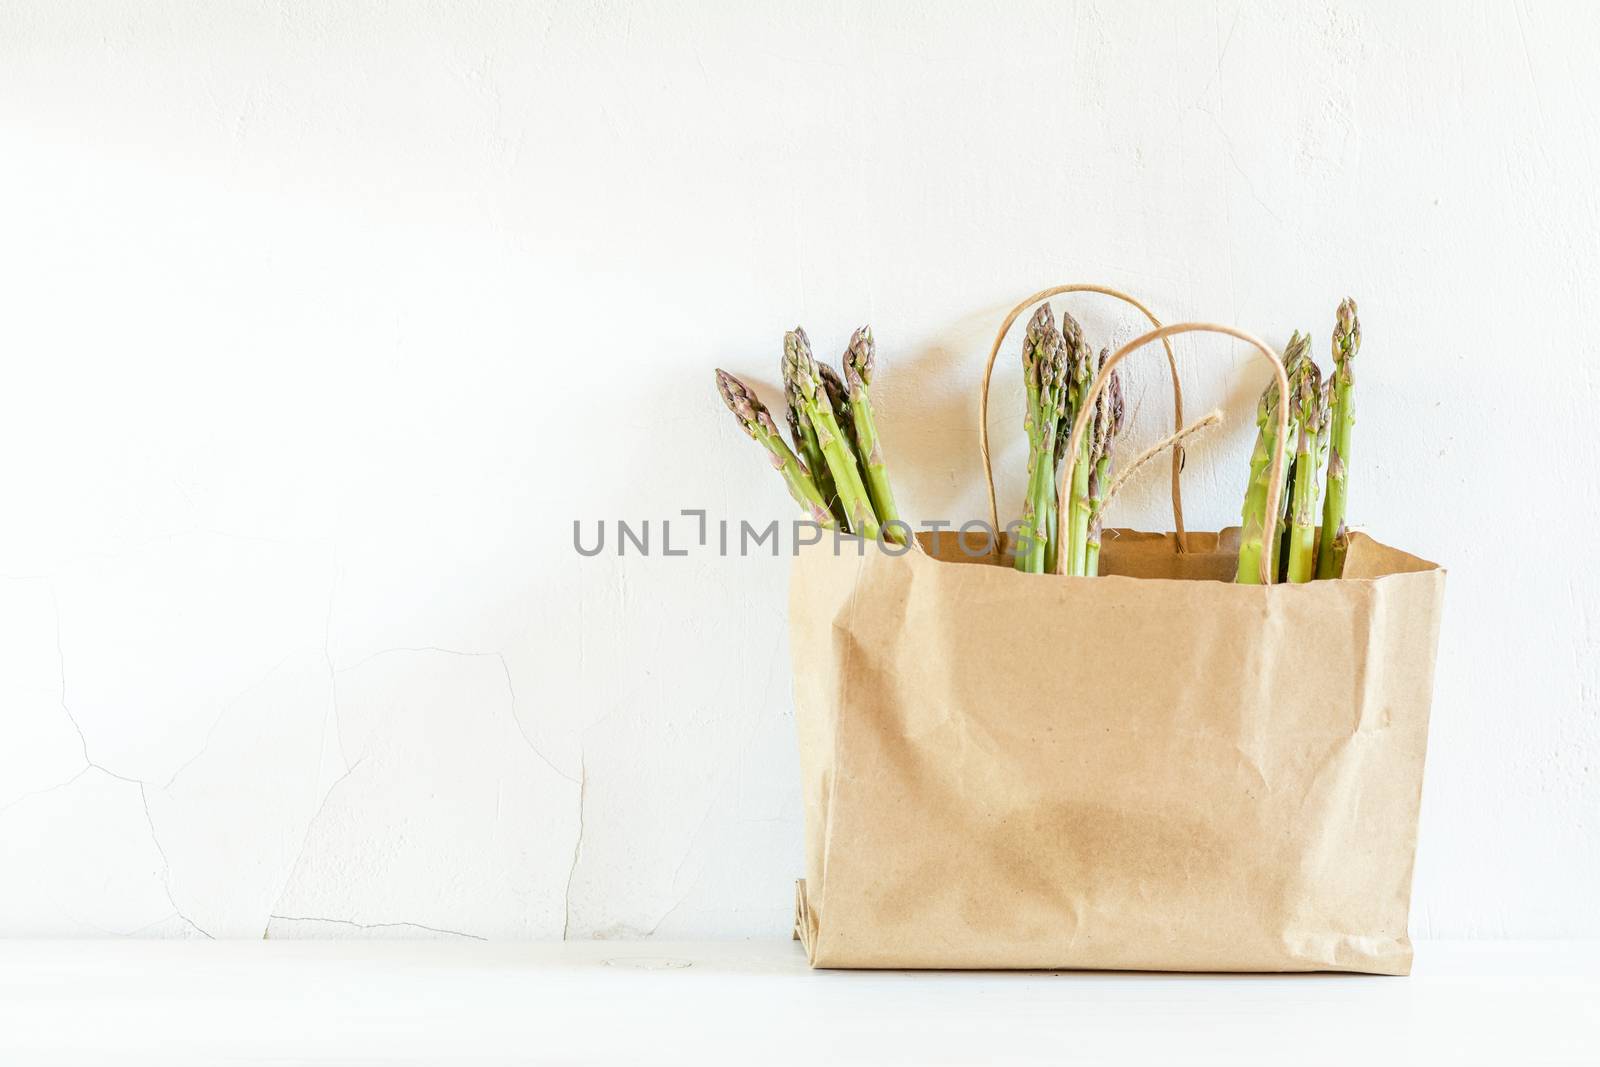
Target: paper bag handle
{"points": [[1161, 333], [1177, 398]]}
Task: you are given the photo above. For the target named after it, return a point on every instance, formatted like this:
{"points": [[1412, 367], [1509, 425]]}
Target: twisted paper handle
{"points": [[1177, 398], [1086, 413]]}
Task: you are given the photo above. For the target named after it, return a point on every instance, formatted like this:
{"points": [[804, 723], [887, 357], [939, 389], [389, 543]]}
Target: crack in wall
{"points": [[223, 714], [670, 912], [166, 867], [515, 721], [61, 663], [581, 782], [90, 764], [364, 660], [577, 849], [505, 668], [365, 926], [30, 794], [305, 842], [333, 675]]}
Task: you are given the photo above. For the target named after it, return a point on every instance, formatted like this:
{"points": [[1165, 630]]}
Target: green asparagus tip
{"points": [[1100, 425], [744, 403], [860, 358], [791, 368], [1071, 334], [1295, 356], [838, 395], [1299, 349], [735, 394], [1078, 358], [1075, 368], [1109, 411], [1346, 332], [1119, 404], [1051, 366], [799, 368], [1305, 384], [1042, 322]]}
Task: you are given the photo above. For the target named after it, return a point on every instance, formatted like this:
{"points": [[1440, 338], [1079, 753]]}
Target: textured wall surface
{"points": [[323, 322]]}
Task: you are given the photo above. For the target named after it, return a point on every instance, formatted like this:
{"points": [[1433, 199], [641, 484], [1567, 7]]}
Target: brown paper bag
{"points": [[1156, 769]]}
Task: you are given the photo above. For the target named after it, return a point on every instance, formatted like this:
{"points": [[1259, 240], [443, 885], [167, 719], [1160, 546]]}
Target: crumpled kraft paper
{"points": [[1155, 769]]}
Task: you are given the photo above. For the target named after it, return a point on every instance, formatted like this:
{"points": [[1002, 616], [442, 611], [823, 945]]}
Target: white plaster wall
{"points": [[322, 322]]}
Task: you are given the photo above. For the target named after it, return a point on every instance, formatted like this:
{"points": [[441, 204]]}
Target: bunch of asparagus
{"points": [[836, 469], [1321, 417], [1057, 369], [836, 472]]}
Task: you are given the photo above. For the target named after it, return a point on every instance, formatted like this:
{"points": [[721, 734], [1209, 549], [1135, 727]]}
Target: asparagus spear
{"points": [[1319, 457], [1052, 415], [1335, 537], [1295, 358], [757, 422], [839, 397], [1306, 391], [1253, 514], [860, 359], [1073, 352], [1043, 351], [1080, 372], [1032, 341], [1108, 416], [1256, 536], [812, 393], [1075, 349], [1280, 546], [805, 435]]}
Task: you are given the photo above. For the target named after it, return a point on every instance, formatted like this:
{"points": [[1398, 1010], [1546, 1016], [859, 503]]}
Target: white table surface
{"points": [[755, 1003]]}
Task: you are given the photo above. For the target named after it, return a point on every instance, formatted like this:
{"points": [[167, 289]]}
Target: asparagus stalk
{"points": [[1253, 514], [1074, 351], [839, 397], [838, 456], [805, 435], [1108, 417], [860, 359], [1335, 537], [1042, 370], [1095, 429], [1319, 457], [1032, 347], [1080, 372], [1310, 415], [1280, 546], [1295, 358], [1052, 416], [1325, 438], [757, 422], [1260, 535]]}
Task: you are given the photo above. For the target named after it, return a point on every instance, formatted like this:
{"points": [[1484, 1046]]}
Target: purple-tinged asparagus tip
{"points": [[1119, 403], [1346, 332], [1042, 319], [743, 402], [799, 367], [860, 358]]}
